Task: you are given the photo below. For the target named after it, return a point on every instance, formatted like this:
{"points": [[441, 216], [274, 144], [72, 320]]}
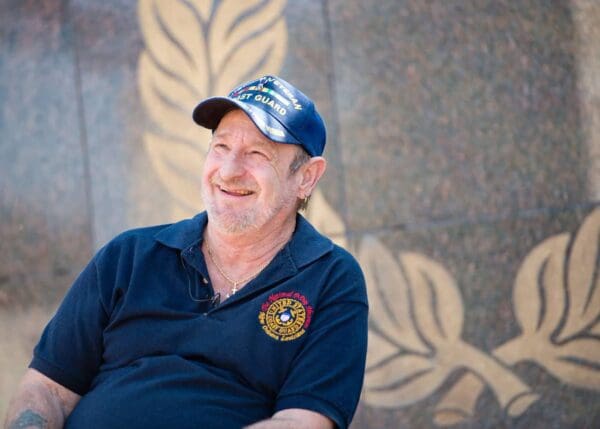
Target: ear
{"points": [[310, 173]]}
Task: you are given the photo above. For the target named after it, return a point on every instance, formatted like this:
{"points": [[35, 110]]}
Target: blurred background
{"points": [[464, 174]]}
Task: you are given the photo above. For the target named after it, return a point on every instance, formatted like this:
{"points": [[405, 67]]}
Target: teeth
{"points": [[236, 192]]}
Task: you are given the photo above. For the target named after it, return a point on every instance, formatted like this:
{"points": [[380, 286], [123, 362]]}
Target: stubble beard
{"points": [[235, 221]]}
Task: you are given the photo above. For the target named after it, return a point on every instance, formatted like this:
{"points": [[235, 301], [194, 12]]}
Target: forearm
{"points": [[294, 418], [34, 406], [39, 403], [277, 423]]}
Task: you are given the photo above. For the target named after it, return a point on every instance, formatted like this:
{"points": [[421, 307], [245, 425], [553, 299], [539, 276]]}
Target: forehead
{"points": [[237, 122], [237, 125]]}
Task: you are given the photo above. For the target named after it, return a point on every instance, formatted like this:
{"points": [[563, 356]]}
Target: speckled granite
{"points": [[454, 109], [45, 216], [108, 45], [311, 65]]}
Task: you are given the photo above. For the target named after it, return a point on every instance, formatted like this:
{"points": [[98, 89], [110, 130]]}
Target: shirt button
{"points": [[204, 281]]}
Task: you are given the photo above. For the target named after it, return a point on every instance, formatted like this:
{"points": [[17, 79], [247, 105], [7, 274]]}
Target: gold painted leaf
{"points": [[538, 292], [178, 164], [586, 349], [395, 371], [160, 95], [175, 39], [246, 38], [402, 382], [583, 281], [576, 362], [195, 49], [269, 53], [458, 404], [389, 300], [380, 349], [325, 219], [436, 299], [202, 7]]}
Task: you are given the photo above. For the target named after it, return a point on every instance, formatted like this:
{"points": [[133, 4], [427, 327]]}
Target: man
{"points": [[243, 315]]}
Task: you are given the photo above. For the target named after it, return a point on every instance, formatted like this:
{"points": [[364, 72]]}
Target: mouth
{"points": [[233, 192]]}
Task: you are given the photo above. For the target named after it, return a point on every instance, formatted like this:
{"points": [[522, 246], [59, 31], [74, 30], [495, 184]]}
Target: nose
{"points": [[231, 167]]}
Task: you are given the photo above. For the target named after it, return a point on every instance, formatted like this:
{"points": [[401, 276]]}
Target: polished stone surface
{"points": [[311, 63], [45, 226], [108, 46], [452, 111]]}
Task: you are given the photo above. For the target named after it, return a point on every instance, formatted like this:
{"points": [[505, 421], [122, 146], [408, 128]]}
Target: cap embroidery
{"points": [[282, 112]]}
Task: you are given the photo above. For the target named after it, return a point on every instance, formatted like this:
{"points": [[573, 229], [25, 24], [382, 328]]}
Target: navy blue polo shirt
{"points": [[142, 339]]}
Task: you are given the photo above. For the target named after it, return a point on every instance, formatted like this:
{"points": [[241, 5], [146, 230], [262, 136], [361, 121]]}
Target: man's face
{"points": [[246, 182]]}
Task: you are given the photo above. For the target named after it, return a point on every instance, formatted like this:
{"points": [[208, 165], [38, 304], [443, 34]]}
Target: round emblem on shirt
{"points": [[285, 316]]}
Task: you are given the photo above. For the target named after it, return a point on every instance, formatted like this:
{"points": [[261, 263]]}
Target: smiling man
{"points": [[243, 316]]}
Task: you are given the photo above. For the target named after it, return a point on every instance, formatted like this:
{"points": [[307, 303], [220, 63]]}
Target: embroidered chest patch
{"points": [[285, 316]]}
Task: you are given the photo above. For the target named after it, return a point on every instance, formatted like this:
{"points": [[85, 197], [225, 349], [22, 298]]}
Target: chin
{"points": [[232, 222]]}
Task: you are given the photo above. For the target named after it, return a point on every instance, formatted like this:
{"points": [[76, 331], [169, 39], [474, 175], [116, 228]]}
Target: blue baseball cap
{"points": [[279, 110]]}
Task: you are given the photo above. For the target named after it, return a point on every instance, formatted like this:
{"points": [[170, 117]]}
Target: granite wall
{"points": [[463, 149]]}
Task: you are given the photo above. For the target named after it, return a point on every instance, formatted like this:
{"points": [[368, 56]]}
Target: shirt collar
{"points": [[306, 245], [183, 234]]}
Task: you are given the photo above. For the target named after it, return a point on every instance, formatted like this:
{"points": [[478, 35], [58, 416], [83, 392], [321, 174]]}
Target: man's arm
{"points": [[294, 418], [40, 403]]}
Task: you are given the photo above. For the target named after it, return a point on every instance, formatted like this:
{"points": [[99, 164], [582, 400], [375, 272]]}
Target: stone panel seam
{"points": [[85, 153], [335, 121]]}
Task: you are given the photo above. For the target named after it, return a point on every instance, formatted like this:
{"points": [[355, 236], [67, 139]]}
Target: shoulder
{"points": [[176, 235], [346, 281], [346, 258], [133, 238], [148, 240]]}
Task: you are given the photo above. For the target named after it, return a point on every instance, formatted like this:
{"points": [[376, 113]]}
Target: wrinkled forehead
{"points": [[236, 123]]}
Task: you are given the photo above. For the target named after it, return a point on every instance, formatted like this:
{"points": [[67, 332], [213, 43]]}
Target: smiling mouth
{"points": [[235, 192]]}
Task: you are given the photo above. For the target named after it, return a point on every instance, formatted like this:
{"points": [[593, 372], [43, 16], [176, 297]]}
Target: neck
{"points": [[246, 250]]}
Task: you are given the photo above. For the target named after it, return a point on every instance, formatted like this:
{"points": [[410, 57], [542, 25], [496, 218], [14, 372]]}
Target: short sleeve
{"points": [[328, 372], [70, 349]]}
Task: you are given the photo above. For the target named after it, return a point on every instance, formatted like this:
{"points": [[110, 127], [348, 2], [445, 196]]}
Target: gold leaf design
{"points": [[388, 297], [576, 362], [176, 163], [169, 103], [195, 49], [538, 293], [583, 281], [458, 404], [380, 349], [540, 299], [437, 303], [175, 40], [325, 218], [540, 284], [246, 41], [409, 302], [403, 381]]}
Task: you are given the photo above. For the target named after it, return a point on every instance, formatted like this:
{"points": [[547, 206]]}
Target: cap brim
{"points": [[209, 113]]}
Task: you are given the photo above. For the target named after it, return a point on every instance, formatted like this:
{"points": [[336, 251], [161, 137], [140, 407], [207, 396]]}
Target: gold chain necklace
{"points": [[235, 283]]}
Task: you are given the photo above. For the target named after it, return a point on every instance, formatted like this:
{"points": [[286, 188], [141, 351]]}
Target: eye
{"points": [[219, 147], [258, 154]]}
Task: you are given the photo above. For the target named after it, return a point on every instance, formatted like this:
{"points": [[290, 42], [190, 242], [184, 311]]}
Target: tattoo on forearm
{"points": [[29, 419]]}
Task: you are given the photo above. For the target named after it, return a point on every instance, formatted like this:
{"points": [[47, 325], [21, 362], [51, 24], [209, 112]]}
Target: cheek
{"points": [[208, 169]]}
